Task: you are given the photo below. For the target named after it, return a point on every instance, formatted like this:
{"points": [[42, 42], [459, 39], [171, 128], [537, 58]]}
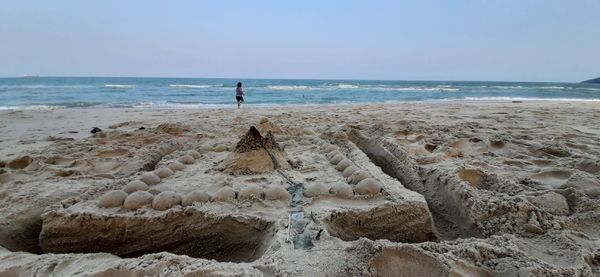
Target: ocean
{"points": [[80, 92]]}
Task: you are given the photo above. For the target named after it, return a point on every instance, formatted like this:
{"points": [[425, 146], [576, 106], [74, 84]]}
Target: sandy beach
{"points": [[411, 189]]}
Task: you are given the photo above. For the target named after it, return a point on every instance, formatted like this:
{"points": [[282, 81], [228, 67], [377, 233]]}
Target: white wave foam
{"points": [[190, 86], [166, 105], [347, 86], [506, 98], [442, 89], [118, 86], [30, 107], [291, 87]]}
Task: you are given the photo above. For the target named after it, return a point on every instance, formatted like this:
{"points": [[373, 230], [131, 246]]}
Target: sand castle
{"points": [[345, 200]]}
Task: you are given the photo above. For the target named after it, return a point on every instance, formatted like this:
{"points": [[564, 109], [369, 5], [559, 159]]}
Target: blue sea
{"points": [[69, 92]]}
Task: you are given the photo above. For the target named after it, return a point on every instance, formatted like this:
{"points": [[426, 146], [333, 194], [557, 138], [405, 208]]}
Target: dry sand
{"points": [[415, 189]]}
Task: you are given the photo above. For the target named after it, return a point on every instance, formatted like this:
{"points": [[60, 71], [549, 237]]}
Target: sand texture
{"points": [[421, 189]]}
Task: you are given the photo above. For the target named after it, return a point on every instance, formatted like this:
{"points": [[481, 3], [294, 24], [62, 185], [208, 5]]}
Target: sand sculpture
{"points": [[357, 202]]}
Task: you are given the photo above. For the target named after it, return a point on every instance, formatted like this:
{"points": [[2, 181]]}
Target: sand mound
{"points": [[225, 194], [349, 171], [137, 200], [368, 187], [163, 172], [343, 164], [166, 200], [112, 199], [336, 159], [195, 197], [134, 186], [176, 166], [277, 193], [342, 190], [256, 154], [195, 154], [220, 148], [150, 178], [187, 159], [158, 189], [315, 189], [551, 202], [358, 176], [251, 192], [269, 126]]}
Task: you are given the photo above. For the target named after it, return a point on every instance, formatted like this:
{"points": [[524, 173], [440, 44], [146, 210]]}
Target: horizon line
{"points": [[306, 79]]}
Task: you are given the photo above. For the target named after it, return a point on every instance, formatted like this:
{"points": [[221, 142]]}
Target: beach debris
{"points": [[95, 130]]}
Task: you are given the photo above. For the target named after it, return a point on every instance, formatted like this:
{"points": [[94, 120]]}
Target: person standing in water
{"points": [[239, 94]]}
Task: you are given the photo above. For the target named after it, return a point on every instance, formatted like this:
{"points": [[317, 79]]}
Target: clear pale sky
{"points": [[519, 40]]}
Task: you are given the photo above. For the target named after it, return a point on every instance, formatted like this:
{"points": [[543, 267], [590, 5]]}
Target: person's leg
{"points": [[239, 103]]}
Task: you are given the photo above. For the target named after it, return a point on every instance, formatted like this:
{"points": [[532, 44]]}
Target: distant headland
{"points": [[593, 81]]}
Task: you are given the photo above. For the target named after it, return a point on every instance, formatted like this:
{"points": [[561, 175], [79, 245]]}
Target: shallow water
{"points": [[50, 92]]}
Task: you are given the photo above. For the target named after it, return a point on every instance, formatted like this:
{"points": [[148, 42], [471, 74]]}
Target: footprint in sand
{"points": [[552, 178]]}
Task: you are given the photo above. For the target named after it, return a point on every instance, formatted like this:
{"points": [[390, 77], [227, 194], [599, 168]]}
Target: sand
{"points": [[414, 189]]}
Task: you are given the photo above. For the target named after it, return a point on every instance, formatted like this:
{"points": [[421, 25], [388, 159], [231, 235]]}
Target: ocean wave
{"points": [[168, 105], [291, 87], [31, 107], [507, 98], [192, 86], [441, 89], [347, 86], [118, 86]]}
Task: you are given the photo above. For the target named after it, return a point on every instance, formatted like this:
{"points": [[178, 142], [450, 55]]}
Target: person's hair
{"points": [[239, 84]]}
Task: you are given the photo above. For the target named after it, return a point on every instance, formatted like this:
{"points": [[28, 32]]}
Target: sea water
{"points": [[67, 92]]}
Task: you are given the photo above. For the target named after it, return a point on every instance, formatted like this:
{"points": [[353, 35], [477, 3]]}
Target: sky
{"points": [[504, 40]]}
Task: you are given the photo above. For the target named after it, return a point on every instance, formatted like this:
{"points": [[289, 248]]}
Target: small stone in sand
{"points": [[163, 172], [187, 159], [342, 190], [137, 200], [225, 194], [343, 164], [315, 189], [263, 120], [134, 186], [150, 178], [112, 199], [166, 200], [368, 187], [195, 197], [176, 166]]}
